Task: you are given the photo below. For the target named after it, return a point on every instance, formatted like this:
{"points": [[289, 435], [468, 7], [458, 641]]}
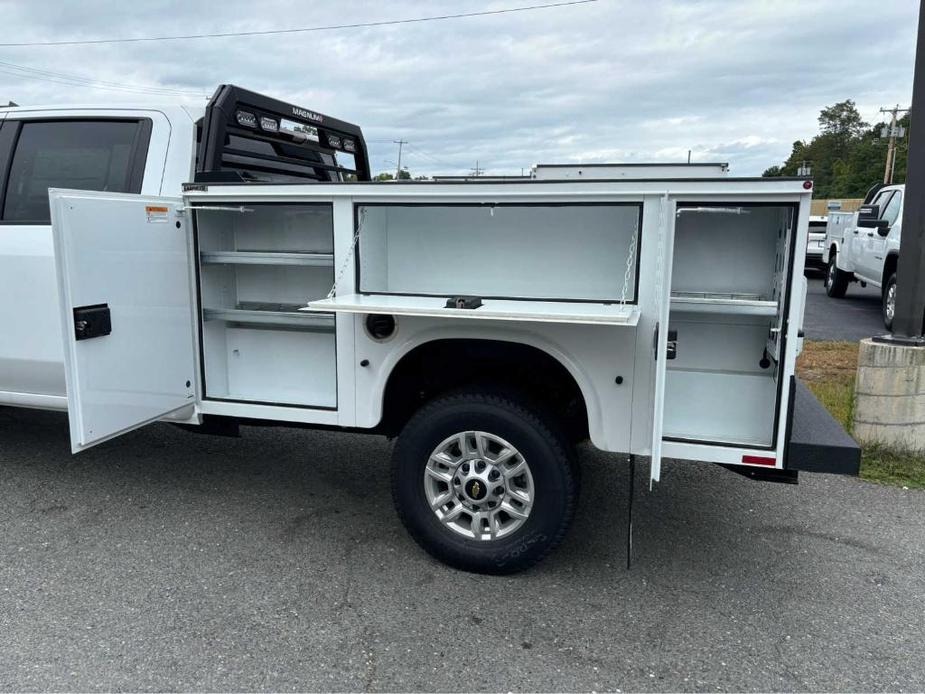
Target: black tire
{"points": [[889, 302], [836, 281], [543, 446]]}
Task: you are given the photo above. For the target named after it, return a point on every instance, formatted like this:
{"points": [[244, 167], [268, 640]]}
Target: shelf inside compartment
{"points": [[267, 258], [716, 407], [288, 315], [714, 302], [491, 309]]}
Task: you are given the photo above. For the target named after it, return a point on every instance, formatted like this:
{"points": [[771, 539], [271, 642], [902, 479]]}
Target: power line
{"points": [[79, 81], [331, 27], [398, 166], [416, 150]]}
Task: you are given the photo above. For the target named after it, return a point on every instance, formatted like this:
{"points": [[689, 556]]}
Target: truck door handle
{"points": [[870, 233], [855, 232], [92, 321]]}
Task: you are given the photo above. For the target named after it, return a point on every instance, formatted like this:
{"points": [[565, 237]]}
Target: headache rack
{"points": [[248, 137]]}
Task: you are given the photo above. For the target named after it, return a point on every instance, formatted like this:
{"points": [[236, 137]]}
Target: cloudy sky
{"points": [[611, 80]]}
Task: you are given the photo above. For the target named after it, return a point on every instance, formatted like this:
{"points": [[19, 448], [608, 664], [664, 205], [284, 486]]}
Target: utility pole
{"points": [[400, 143], [910, 275], [477, 171], [894, 131]]}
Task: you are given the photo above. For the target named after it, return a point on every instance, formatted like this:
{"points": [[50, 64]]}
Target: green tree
{"points": [[846, 157], [403, 175]]}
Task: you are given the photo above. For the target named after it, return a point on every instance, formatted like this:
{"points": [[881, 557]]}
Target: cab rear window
{"points": [[103, 155]]}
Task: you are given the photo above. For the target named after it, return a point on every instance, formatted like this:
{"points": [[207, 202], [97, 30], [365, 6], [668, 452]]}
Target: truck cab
{"points": [[863, 247], [149, 151]]}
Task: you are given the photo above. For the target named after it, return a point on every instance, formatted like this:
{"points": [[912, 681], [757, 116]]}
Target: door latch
{"points": [[92, 321], [671, 349]]}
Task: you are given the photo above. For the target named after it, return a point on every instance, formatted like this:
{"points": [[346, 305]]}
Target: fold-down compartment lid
{"points": [[491, 309]]}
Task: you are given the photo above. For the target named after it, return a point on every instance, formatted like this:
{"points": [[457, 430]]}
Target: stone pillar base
{"points": [[890, 396]]}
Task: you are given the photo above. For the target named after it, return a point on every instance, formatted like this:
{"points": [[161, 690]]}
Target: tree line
{"points": [[848, 156]]}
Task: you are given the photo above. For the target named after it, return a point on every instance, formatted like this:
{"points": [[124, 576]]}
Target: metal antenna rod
{"points": [[629, 514]]}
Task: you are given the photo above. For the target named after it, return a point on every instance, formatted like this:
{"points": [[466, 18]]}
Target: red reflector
{"points": [[758, 460], [807, 185]]}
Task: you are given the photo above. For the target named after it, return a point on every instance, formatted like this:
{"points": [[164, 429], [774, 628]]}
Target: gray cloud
{"points": [[614, 80]]}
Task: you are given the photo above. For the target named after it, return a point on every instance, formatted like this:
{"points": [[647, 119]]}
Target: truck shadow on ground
{"points": [[331, 489]]}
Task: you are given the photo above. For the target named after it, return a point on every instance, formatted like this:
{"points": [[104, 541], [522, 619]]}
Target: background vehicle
{"points": [[815, 242], [863, 247]]}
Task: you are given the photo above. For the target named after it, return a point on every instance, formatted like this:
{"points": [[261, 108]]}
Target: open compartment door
{"points": [[662, 294], [126, 310]]}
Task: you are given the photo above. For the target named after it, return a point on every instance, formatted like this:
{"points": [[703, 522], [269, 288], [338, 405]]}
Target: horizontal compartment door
{"points": [[490, 309]]}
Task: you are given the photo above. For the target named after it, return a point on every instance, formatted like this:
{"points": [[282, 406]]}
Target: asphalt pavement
{"points": [[851, 318], [166, 560]]}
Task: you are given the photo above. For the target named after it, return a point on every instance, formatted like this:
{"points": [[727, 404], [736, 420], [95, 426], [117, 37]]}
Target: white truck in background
{"points": [[863, 247]]}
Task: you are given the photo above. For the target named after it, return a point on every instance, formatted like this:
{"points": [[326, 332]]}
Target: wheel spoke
{"points": [[515, 470], [441, 475], [513, 511], [453, 514], [476, 525], [504, 456], [440, 501], [443, 458], [494, 526], [481, 445], [519, 495]]}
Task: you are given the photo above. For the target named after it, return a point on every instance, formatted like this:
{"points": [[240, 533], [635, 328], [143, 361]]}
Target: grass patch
{"points": [[828, 369]]}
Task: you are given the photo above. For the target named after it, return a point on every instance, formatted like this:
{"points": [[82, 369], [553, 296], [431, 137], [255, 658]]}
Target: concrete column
{"points": [[890, 396]]}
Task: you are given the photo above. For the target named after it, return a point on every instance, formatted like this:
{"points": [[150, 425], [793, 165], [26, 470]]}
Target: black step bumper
{"points": [[815, 441]]}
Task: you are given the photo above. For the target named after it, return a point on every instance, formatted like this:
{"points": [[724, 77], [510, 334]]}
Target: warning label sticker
{"points": [[156, 213]]}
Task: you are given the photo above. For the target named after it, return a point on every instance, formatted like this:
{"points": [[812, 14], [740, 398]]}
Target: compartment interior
{"points": [[727, 305], [571, 252], [256, 269]]}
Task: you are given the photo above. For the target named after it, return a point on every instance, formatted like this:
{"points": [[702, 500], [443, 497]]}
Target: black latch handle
{"points": [[92, 321]]}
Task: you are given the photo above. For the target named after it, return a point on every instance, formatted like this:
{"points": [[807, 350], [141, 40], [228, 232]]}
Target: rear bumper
{"points": [[815, 441], [814, 260]]}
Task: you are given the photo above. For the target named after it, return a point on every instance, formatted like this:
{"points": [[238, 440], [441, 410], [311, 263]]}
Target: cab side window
{"points": [[891, 212], [105, 155]]}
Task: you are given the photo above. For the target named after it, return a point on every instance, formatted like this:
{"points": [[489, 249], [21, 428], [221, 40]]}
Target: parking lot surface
{"points": [[851, 318], [173, 561]]}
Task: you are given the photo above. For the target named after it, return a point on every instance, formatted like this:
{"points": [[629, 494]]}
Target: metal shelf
{"points": [[286, 315], [267, 258], [708, 302]]}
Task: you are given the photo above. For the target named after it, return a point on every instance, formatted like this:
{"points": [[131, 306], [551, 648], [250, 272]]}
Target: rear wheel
{"points": [[836, 281], [889, 302], [484, 482]]}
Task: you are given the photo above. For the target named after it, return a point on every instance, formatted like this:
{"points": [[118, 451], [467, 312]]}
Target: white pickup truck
{"points": [[863, 247], [487, 326]]}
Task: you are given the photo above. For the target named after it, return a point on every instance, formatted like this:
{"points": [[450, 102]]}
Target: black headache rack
{"points": [[248, 137]]}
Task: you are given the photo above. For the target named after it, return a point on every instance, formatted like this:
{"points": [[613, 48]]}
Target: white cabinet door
{"points": [[664, 260], [126, 307]]}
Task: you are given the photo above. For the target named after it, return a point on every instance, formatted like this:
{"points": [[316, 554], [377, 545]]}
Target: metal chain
{"points": [[630, 260], [349, 256]]}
